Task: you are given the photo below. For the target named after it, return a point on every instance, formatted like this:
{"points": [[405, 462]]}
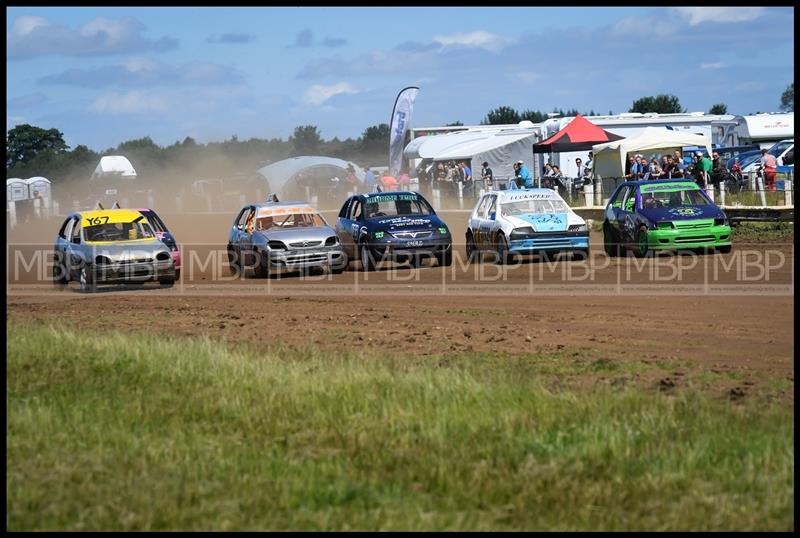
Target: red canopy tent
{"points": [[579, 135]]}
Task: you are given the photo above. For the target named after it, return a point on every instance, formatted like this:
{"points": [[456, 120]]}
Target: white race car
{"points": [[527, 221]]}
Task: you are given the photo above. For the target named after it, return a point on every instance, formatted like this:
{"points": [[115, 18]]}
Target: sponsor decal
{"points": [[685, 211], [381, 198], [682, 186]]}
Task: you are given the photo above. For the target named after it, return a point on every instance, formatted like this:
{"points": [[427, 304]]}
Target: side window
{"points": [[355, 209], [239, 222], [345, 208], [481, 209], [249, 222], [76, 230], [616, 200], [63, 231], [156, 221], [492, 206], [630, 199]]}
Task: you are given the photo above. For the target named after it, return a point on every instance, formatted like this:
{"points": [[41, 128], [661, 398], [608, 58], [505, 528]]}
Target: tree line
{"points": [[35, 151]]}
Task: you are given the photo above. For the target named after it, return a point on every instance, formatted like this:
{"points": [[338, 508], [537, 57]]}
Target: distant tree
{"points": [[24, 142], [661, 104], [374, 143], [502, 116], [305, 140], [719, 108], [533, 116], [787, 99], [454, 124]]}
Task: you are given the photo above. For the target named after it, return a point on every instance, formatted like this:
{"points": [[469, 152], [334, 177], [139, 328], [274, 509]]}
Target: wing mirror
{"points": [[492, 215], [238, 226]]}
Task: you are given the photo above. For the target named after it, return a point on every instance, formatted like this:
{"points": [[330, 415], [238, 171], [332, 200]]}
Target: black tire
{"points": [[367, 263], [177, 275], [641, 248], [59, 273], [261, 268], [610, 245], [233, 262], [580, 255], [546, 256], [86, 279], [725, 250], [445, 259], [473, 255], [166, 282], [501, 249], [339, 268]]}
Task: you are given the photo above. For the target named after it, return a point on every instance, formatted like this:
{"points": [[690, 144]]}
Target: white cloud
{"points": [[318, 94], [35, 36], [25, 25], [697, 15], [750, 86], [479, 39], [135, 65], [526, 77], [132, 102], [712, 65]]}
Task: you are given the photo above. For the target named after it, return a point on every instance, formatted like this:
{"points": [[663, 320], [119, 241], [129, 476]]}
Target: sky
{"points": [[103, 76]]}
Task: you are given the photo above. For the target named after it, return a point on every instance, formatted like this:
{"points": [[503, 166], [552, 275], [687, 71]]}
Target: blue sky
{"points": [[106, 75]]}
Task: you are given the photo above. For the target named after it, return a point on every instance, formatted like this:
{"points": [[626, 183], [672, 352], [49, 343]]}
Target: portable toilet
{"points": [[16, 189]]}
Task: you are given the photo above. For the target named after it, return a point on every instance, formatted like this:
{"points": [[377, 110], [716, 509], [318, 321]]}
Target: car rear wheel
{"points": [[609, 244]]}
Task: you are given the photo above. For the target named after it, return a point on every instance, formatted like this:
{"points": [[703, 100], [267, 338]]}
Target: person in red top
{"points": [[770, 165], [388, 183]]}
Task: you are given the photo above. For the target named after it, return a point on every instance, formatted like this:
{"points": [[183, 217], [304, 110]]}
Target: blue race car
{"points": [[397, 226], [663, 215]]}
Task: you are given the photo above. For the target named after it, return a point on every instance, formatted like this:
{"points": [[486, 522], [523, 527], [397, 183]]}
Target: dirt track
{"points": [[727, 315]]}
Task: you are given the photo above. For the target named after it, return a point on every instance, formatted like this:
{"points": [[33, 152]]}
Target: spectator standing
{"points": [[404, 180], [388, 183], [770, 166], [590, 161], [705, 166], [469, 184], [487, 176], [630, 171], [369, 180], [525, 175], [352, 180]]}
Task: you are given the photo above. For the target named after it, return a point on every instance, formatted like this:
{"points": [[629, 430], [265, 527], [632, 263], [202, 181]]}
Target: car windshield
{"points": [[673, 198], [779, 148], [395, 205], [521, 207], [290, 220], [119, 231]]}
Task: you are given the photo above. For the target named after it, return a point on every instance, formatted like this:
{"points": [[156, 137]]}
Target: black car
{"points": [[396, 226]]}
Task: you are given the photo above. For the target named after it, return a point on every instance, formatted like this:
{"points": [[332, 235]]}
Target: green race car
{"points": [[644, 216]]}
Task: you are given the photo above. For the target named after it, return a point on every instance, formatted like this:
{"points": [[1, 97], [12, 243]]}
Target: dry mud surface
{"points": [[725, 322]]}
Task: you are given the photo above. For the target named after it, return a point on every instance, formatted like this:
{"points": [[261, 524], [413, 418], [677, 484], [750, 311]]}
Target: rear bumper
{"points": [[673, 239]]}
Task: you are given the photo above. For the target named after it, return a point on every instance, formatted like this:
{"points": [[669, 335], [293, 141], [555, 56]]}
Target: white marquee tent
{"points": [[610, 157], [281, 175], [114, 165], [501, 148]]}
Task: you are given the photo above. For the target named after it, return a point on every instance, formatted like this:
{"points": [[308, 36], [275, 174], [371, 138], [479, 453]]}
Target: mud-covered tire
{"points": [[166, 282], [580, 255], [233, 262], [725, 250]]}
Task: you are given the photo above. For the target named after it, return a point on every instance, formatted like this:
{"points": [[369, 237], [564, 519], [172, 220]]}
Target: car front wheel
{"points": [[87, 282], [609, 244], [367, 263], [642, 243]]}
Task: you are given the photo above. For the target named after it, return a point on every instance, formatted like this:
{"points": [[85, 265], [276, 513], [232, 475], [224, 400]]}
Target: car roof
{"points": [[656, 182], [296, 203]]}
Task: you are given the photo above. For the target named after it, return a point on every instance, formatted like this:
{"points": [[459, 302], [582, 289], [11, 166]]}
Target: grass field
{"points": [[150, 432]]}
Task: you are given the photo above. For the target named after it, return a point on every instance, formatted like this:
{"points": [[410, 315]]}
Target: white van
{"points": [[778, 150]]}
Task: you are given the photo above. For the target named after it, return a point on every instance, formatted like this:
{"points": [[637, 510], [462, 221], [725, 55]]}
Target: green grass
{"points": [[114, 431], [759, 232]]}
